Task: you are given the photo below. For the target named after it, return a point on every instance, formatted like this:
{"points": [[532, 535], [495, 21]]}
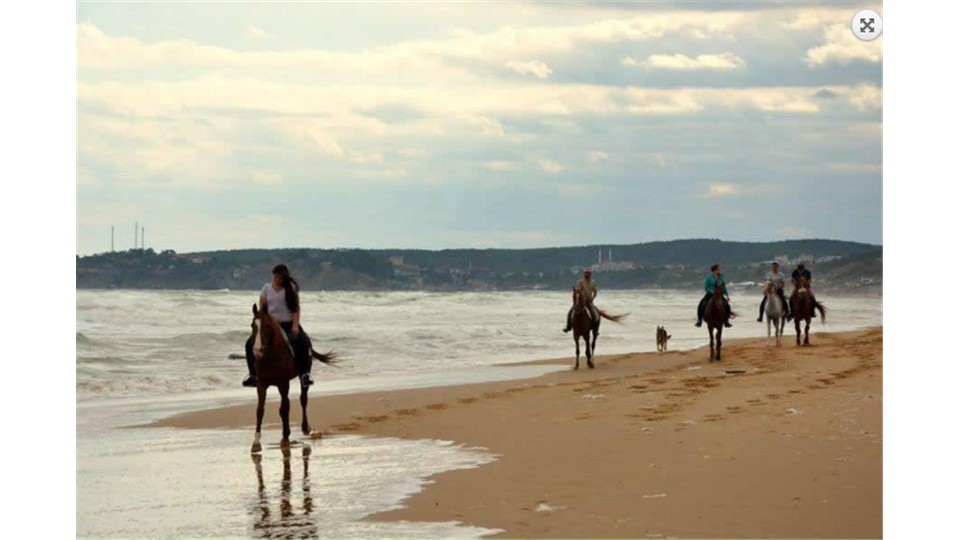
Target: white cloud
{"points": [[658, 158], [686, 63], [721, 190], [268, 178], [502, 165], [842, 47], [629, 61], [597, 155], [551, 167], [536, 68], [255, 32]]}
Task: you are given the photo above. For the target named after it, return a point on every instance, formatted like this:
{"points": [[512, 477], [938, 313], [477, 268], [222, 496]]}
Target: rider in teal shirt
{"points": [[710, 285]]}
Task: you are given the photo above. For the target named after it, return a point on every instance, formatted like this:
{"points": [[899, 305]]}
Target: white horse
{"points": [[774, 311]]}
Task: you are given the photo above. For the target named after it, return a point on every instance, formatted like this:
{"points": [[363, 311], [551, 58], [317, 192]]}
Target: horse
{"points": [[583, 326], [774, 310], [715, 314], [804, 308], [275, 365]]}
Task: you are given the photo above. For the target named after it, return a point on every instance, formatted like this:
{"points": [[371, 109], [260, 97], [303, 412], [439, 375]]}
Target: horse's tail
{"points": [[614, 318], [823, 312], [330, 358]]}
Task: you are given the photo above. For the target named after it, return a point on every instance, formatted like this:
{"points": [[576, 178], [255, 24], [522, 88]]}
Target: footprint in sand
{"points": [[466, 400], [492, 394], [352, 426], [437, 406], [407, 412]]}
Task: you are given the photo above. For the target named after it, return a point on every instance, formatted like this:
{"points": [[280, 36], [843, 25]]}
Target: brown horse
{"points": [[582, 327], [715, 314], [275, 365], [805, 308]]}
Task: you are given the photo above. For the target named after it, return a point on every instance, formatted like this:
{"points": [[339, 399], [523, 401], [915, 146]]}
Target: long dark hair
{"points": [[290, 286]]}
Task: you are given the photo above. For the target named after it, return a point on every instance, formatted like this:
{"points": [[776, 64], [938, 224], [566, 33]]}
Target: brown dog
{"points": [[662, 338]]}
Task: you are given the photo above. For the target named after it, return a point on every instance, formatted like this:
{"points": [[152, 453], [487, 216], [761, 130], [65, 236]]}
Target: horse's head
{"points": [[267, 329], [769, 288], [718, 290], [581, 301], [803, 285]]}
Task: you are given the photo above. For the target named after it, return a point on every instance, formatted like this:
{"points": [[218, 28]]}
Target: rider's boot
{"points": [[251, 379]]}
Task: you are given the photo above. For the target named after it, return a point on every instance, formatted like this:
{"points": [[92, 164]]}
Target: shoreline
{"points": [[646, 444]]}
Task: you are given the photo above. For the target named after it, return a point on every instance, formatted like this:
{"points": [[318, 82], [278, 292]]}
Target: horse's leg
{"points": [[576, 342], [284, 388], [710, 329], [796, 324], [305, 425], [806, 332], [590, 348], [719, 342], [261, 399], [768, 330]]}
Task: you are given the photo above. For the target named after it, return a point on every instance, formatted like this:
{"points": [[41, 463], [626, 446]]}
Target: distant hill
{"points": [[673, 264]]}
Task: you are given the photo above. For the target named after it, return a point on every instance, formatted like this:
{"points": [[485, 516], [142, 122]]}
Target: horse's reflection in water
{"points": [[290, 523]]}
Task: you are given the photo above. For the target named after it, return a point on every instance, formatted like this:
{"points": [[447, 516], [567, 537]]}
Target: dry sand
{"points": [[646, 445]]}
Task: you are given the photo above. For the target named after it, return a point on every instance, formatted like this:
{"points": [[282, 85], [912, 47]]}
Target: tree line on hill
{"points": [[671, 264]]}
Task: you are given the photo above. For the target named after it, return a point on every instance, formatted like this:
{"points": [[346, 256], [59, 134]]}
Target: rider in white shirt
{"points": [[779, 280]]}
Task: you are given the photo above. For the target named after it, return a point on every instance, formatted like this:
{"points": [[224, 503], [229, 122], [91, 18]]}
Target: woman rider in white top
{"points": [[281, 299]]}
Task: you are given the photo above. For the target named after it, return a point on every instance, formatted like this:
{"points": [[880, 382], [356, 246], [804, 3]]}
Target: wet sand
{"points": [[767, 443]]}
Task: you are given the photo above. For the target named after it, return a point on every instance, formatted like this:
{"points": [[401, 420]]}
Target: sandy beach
{"points": [[768, 443]]}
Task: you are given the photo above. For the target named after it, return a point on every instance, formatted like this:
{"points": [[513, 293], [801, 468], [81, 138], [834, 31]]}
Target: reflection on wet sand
{"points": [[290, 523]]}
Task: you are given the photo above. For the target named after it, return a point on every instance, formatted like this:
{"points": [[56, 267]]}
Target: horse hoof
{"points": [[590, 365], [256, 448], [284, 443], [305, 430]]}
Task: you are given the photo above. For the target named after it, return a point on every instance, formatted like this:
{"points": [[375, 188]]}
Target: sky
{"points": [[474, 125]]}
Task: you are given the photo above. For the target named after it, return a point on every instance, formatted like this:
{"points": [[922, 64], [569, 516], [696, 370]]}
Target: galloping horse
{"points": [[774, 311], [582, 327], [275, 365], [715, 314], [803, 307]]}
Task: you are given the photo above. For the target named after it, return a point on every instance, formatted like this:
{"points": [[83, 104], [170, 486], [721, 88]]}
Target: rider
{"points": [[709, 285], [802, 272], [777, 278], [586, 288], [281, 299]]}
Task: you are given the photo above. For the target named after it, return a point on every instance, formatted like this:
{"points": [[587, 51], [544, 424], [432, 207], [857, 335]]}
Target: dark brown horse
{"points": [[715, 314], [582, 327], [275, 365], [805, 308]]}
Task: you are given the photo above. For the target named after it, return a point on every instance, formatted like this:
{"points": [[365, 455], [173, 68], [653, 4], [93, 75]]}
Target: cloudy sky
{"points": [[438, 125]]}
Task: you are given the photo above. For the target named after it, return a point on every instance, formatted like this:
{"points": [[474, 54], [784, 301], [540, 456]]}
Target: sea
{"points": [[146, 355]]}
